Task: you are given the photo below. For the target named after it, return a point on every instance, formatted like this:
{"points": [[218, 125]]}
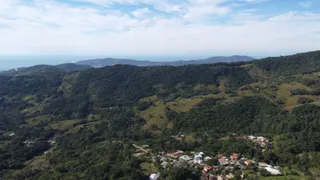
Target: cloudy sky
{"points": [[158, 27]]}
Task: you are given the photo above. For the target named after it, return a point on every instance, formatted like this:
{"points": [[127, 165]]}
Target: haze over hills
{"points": [[97, 63], [68, 67]]}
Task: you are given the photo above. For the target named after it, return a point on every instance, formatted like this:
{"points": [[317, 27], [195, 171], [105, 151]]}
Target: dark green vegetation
{"points": [[85, 121]]}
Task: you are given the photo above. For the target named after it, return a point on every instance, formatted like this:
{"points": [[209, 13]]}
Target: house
{"points": [[229, 176], [162, 159], [252, 137], [175, 154], [207, 158], [11, 134], [185, 158], [145, 146], [154, 176], [234, 156], [263, 164], [164, 164], [51, 142], [220, 178], [28, 143], [273, 171], [182, 136], [198, 158], [263, 142], [207, 169], [247, 162], [223, 161]]}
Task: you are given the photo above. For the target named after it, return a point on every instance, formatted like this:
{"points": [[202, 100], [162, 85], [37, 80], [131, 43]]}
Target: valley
{"points": [[82, 124]]}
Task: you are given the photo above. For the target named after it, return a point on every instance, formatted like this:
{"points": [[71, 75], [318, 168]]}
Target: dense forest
{"points": [[71, 122]]}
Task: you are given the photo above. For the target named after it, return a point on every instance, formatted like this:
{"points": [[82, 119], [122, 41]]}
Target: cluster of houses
{"points": [[220, 167], [261, 141], [213, 172]]}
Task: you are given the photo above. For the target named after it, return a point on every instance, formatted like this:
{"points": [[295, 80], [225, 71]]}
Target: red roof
{"points": [[263, 164], [249, 161], [234, 156]]}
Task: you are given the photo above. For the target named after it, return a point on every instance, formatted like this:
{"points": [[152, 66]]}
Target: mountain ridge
{"points": [[97, 63]]}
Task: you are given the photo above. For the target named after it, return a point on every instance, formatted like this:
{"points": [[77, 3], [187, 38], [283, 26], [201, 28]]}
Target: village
{"points": [[219, 167]]}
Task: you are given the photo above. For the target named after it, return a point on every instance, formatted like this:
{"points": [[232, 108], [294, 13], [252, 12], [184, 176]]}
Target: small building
{"points": [[51, 142], [247, 162], [197, 158], [234, 156], [223, 161], [145, 146], [11, 134], [229, 176], [28, 143], [164, 164], [208, 158], [273, 171], [252, 137], [220, 178], [206, 169], [162, 159], [263, 165], [175, 154], [185, 158], [154, 176]]}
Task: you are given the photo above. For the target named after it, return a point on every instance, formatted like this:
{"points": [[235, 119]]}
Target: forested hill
{"points": [[286, 65], [60, 123]]}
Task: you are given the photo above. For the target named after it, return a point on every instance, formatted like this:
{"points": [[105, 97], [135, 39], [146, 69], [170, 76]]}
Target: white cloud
{"points": [[199, 9], [305, 4], [141, 13], [50, 27]]}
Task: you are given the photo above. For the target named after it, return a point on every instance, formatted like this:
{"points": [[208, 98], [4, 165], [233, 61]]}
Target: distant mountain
{"points": [[97, 63], [68, 67]]}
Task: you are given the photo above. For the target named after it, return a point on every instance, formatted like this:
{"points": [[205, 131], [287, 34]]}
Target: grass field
{"points": [[183, 105], [31, 100], [63, 125], [284, 90], [33, 109], [155, 115], [38, 120], [222, 85], [150, 99], [254, 71], [283, 178], [148, 168]]}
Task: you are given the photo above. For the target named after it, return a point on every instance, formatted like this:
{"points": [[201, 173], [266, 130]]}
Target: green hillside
{"points": [[71, 124]]}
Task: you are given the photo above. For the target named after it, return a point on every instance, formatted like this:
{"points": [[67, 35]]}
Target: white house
{"points": [[198, 158], [154, 176], [273, 171], [185, 158]]}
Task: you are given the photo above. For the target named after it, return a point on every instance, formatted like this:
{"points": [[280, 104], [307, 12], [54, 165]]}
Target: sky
{"points": [[157, 28]]}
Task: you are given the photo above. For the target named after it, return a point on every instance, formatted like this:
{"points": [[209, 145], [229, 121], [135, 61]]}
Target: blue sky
{"points": [[151, 28]]}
